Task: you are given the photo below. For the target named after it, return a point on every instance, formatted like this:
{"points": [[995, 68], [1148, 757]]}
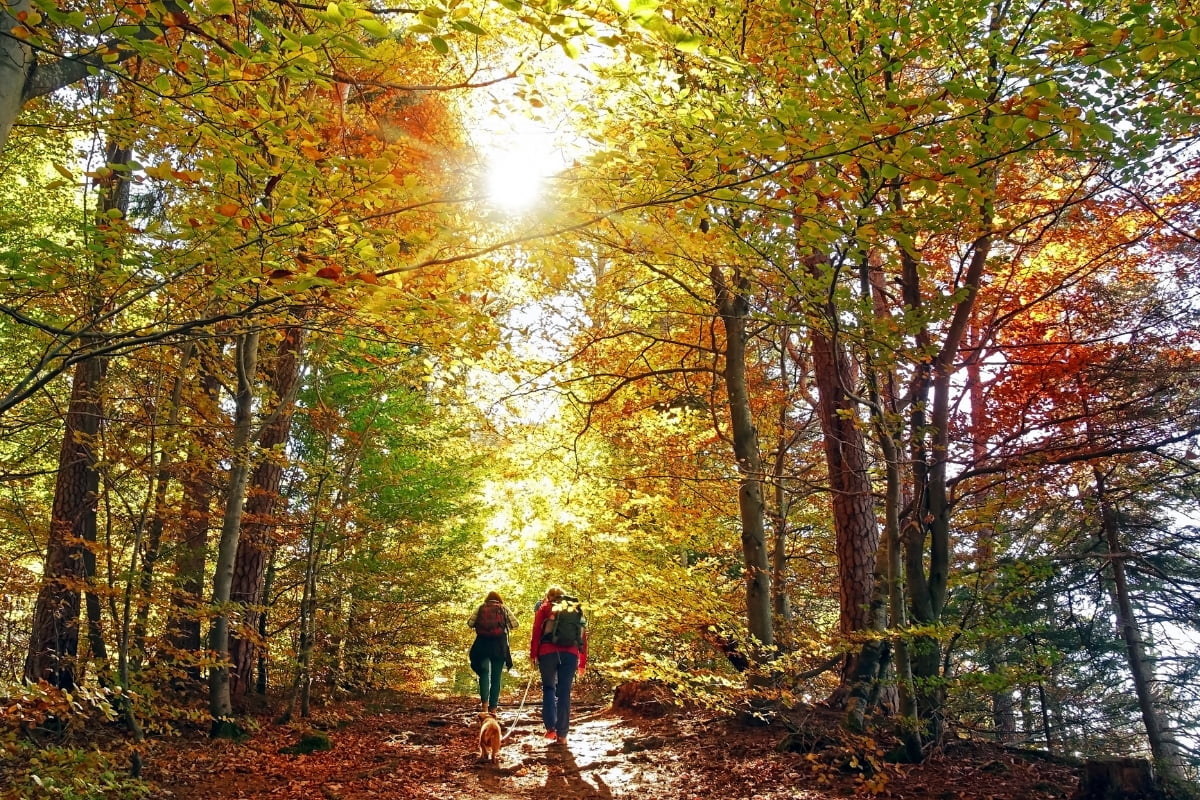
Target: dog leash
{"points": [[517, 721]]}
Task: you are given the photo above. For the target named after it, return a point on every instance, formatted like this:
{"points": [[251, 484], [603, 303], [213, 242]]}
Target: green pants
{"points": [[491, 673]]}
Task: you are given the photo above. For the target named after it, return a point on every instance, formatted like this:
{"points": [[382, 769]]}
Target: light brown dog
{"points": [[489, 737]]}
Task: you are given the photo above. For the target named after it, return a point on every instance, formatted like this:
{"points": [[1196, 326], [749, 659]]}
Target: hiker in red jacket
{"points": [[490, 652], [559, 647]]}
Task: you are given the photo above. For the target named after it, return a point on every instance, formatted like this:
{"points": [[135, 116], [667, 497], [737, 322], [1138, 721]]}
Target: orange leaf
{"points": [[228, 209]]}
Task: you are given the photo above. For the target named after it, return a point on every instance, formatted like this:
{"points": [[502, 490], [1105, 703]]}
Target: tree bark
{"points": [[220, 703], [158, 517], [851, 491], [733, 307], [258, 523], [54, 644], [1163, 747], [70, 553]]}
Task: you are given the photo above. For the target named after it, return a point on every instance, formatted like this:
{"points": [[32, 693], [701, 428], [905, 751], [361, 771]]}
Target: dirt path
{"points": [[422, 748], [428, 751]]}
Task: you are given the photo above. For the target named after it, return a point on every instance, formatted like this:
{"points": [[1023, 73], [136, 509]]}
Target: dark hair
{"points": [[494, 596]]}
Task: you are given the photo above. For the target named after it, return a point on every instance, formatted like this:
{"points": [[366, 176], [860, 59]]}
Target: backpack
{"points": [[566, 623], [491, 620]]}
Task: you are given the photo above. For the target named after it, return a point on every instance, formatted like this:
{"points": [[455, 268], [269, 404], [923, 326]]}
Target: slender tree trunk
{"points": [[159, 514], [220, 702], [261, 671], [258, 523], [1163, 748], [781, 604], [733, 307]]}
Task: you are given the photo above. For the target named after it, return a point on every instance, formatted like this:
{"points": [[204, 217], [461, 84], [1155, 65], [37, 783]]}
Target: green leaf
{"points": [[374, 27], [440, 45], [221, 6], [470, 27]]}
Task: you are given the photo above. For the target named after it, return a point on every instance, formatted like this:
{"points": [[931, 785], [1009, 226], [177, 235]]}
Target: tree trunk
{"points": [[70, 552], [733, 307], [54, 645], [261, 669], [1117, 779], [220, 702], [258, 523], [1141, 669], [16, 61], [855, 526], [158, 517]]}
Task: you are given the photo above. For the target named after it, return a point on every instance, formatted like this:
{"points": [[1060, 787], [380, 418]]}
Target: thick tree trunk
{"points": [[70, 553], [54, 644], [855, 525], [220, 702], [16, 60], [733, 307], [262, 496]]}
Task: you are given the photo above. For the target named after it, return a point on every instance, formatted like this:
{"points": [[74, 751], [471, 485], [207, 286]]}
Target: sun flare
{"points": [[516, 174]]}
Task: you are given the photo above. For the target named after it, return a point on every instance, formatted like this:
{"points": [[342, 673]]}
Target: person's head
{"points": [[554, 594], [494, 597]]}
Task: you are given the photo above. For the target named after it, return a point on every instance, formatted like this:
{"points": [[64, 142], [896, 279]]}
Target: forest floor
{"points": [[406, 746]]}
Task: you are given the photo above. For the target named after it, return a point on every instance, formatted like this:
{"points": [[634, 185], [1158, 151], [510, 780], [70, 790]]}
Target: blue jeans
{"points": [[558, 675], [491, 672]]}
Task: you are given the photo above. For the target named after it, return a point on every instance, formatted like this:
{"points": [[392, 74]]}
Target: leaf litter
{"points": [[397, 745]]}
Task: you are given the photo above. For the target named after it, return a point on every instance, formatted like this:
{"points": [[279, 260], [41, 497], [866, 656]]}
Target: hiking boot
{"points": [[551, 736], [493, 709]]}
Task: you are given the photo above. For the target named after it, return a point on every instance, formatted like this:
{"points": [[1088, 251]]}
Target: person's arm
{"points": [[512, 618], [583, 651], [535, 639], [473, 618]]}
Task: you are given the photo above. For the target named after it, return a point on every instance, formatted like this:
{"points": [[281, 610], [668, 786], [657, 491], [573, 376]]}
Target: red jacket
{"points": [[537, 647]]}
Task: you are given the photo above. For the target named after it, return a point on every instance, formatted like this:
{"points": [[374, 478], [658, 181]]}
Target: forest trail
{"points": [[419, 747]]}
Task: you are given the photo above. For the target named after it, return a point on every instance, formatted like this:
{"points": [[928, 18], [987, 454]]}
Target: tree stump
{"points": [[1118, 779]]}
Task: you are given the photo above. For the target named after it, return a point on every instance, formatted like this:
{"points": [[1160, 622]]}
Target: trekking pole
{"points": [[517, 721]]}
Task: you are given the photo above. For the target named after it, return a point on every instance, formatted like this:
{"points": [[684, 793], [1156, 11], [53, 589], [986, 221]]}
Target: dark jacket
{"points": [[494, 648]]}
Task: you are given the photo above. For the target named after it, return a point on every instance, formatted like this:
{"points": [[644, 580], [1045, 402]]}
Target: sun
{"points": [[517, 171]]}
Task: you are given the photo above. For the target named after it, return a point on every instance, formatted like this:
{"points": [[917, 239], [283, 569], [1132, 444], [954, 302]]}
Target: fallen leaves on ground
{"points": [[404, 746]]}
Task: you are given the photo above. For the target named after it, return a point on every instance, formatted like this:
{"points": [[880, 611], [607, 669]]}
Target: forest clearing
{"points": [[830, 364]]}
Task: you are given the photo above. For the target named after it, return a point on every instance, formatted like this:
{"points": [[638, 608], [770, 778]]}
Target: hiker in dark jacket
{"points": [[490, 653]]}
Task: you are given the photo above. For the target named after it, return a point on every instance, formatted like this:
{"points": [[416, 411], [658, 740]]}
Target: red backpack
{"points": [[491, 620]]}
